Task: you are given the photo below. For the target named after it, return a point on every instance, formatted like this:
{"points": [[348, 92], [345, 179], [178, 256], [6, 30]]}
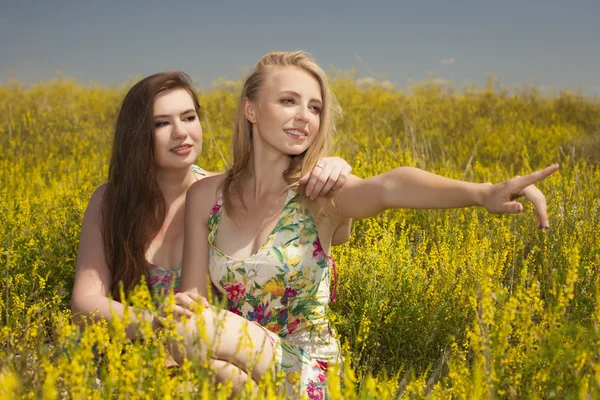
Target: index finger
{"points": [[315, 174], [532, 178], [342, 179]]}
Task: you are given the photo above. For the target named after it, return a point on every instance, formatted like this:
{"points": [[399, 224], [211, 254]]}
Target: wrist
{"points": [[481, 192]]}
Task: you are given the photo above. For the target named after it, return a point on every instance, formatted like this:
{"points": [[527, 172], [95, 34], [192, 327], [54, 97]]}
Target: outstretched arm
{"points": [[408, 187]]}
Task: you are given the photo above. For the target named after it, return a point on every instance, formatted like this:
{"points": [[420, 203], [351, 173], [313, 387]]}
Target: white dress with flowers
{"points": [[284, 287]]}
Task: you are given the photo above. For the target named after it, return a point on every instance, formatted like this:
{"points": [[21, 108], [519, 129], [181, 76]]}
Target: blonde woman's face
{"points": [[287, 114]]}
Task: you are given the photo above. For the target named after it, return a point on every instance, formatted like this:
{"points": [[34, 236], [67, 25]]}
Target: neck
{"points": [[267, 168], [173, 183]]}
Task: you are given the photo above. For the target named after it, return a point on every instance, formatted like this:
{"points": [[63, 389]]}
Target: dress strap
{"points": [[215, 216], [334, 265], [197, 171]]}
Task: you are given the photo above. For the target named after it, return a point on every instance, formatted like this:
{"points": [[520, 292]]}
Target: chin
{"points": [[178, 164], [295, 150]]}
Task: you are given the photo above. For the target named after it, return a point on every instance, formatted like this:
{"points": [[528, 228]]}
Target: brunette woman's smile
{"points": [[182, 150]]}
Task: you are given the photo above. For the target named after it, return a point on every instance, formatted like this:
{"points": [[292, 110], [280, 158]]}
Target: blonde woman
{"points": [[265, 245]]}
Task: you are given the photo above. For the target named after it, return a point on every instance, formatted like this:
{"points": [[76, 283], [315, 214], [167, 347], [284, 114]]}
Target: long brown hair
{"points": [[242, 133], [133, 207]]}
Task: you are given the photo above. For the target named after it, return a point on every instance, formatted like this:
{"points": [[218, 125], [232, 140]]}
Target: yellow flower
{"points": [[273, 327], [293, 261], [275, 286], [293, 378]]}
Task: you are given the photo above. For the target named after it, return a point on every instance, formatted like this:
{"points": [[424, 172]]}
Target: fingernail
{"points": [[540, 226]]}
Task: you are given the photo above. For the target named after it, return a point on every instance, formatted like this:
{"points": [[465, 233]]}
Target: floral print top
{"points": [[284, 287], [161, 280]]}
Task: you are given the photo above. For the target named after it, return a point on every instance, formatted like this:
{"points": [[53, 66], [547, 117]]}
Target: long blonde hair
{"points": [[242, 133]]}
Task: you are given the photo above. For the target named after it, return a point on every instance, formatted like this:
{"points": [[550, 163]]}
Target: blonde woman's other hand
{"points": [[329, 174]]}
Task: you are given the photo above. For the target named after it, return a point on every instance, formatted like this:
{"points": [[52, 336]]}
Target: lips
{"points": [[182, 149]]}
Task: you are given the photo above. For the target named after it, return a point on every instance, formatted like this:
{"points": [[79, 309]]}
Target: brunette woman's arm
{"points": [[90, 300]]}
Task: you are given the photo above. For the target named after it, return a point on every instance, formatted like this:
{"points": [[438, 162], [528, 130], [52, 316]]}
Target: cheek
{"points": [[156, 142], [159, 140], [272, 115], [315, 123], [197, 132]]}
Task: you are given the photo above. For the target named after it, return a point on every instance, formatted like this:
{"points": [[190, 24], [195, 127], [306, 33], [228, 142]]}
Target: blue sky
{"points": [[555, 44]]}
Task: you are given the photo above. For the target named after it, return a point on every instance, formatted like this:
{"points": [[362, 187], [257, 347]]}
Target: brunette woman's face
{"points": [[177, 130], [287, 114]]}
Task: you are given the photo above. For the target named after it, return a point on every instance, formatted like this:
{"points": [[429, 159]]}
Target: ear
{"points": [[249, 110]]}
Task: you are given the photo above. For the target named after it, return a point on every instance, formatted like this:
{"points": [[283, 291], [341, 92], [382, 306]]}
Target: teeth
{"points": [[295, 132], [180, 148]]}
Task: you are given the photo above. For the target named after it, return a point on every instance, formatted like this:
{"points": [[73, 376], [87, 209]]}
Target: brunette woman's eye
{"points": [[191, 118], [159, 124]]}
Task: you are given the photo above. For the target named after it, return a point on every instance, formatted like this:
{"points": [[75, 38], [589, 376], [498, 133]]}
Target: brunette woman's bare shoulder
{"points": [[96, 199], [92, 216], [99, 191]]}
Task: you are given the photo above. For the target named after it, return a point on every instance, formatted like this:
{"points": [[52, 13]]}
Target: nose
{"points": [[302, 114], [178, 131]]}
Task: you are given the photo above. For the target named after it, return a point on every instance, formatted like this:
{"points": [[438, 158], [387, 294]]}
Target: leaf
{"points": [[252, 300], [275, 251]]}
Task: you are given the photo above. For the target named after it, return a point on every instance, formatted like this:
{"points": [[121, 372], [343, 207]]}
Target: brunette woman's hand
{"points": [[329, 174], [500, 198]]}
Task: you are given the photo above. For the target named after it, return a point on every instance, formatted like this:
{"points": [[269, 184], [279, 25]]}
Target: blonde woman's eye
{"points": [[287, 101], [317, 110]]}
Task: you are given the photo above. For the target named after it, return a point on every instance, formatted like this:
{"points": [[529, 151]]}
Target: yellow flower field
{"points": [[431, 304]]}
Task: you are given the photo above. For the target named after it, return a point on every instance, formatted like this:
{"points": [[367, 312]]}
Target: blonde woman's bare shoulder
{"points": [[205, 189], [329, 206], [324, 210], [201, 173], [208, 174]]}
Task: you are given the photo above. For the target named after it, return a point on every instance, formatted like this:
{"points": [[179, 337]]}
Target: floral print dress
{"points": [[284, 287]]}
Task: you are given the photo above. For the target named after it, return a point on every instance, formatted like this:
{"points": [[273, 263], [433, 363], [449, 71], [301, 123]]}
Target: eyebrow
{"points": [[166, 116], [298, 95]]}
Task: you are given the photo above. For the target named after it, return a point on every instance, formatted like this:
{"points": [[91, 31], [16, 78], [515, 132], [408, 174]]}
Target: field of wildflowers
{"points": [[431, 304]]}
